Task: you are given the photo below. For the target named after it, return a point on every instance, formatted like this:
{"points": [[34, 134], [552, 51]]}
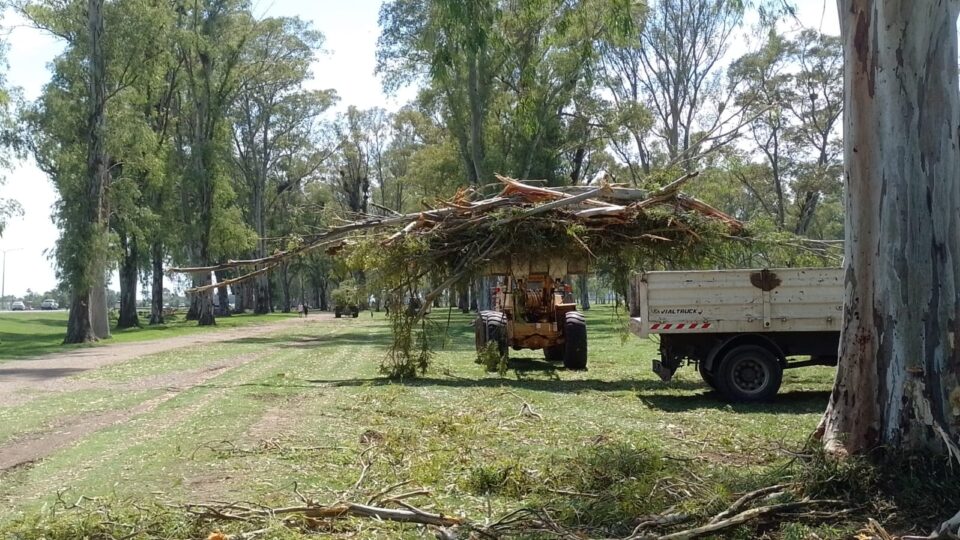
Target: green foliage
{"points": [[489, 357], [500, 73], [9, 140], [346, 294]]}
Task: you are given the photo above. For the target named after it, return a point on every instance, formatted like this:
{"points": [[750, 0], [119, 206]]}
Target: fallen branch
{"points": [[747, 498], [744, 517]]}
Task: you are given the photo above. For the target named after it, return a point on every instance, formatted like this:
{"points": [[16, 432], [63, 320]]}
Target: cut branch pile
{"points": [[467, 232], [385, 506], [612, 226]]}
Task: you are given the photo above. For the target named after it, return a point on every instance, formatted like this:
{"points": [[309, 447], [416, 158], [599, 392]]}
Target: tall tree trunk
{"points": [[156, 291], [79, 329], [474, 286], [584, 290], [205, 314], [223, 295], [193, 312], [248, 302], [85, 302], [99, 310], [474, 96], [239, 292], [285, 287], [898, 383], [128, 283], [463, 297]]}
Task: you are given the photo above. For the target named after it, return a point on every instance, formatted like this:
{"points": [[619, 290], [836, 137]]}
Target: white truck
{"points": [[741, 328]]}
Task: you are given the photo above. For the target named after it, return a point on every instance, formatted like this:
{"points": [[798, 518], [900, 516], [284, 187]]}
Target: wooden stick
{"points": [[746, 498], [742, 518]]}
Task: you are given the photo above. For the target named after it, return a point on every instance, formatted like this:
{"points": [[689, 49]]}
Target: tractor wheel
{"points": [[553, 354], [749, 373], [575, 341], [355, 313], [491, 326], [337, 313]]}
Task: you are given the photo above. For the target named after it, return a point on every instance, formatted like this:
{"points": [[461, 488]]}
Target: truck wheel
{"points": [[337, 313], [575, 341], [491, 326], [553, 354], [749, 373], [707, 376]]}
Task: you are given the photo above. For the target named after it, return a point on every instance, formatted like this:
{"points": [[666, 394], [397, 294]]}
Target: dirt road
{"points": [[23, 380]]}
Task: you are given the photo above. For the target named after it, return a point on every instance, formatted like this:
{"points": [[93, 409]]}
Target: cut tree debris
{"points": [[467, 231], [612, 226]]}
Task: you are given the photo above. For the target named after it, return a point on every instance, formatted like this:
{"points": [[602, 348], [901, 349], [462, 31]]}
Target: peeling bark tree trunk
{"points": [[223, 295], [127, 317], [156, 292], [205, 315], [84, 304], [897, 384]]}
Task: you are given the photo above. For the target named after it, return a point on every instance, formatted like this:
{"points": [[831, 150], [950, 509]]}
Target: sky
{"points": [[346, 65]]}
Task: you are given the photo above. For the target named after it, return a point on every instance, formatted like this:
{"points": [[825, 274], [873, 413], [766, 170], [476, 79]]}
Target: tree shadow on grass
{"points": [[798, 401], [557, 385], [39, 374], [311, 341]]}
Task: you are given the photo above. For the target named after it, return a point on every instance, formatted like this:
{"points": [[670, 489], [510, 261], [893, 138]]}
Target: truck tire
{"points": [[575, 341], [553, 354], [491, 326], [749, 374], [337, 313], [707, 376]]}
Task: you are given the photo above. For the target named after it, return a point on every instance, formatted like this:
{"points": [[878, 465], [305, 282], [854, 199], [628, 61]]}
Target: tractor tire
{"points": [[355, 313], [491, 326], [575, 341], [337, 313], [553, 354], [749, 374]]}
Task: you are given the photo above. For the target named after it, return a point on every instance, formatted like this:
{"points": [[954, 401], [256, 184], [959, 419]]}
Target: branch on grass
{"points": [[746, 516]]}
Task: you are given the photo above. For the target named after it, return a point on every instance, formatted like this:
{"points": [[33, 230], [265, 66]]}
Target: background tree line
{"points": [[186, 133]]}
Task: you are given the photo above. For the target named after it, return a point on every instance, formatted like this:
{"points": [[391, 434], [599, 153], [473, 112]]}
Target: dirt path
{"points": [[47, 372], [51, 373]]}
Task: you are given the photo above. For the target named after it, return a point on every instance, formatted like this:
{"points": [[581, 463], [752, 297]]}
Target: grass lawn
{"points": [[24, 334], [304, 413]]}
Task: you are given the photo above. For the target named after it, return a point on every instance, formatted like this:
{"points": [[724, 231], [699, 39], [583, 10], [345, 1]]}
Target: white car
{"points": [[49, 303], [18, 306]]}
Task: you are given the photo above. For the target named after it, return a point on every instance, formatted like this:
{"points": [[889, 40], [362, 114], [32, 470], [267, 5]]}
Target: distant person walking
{"points": [[300, 310]]}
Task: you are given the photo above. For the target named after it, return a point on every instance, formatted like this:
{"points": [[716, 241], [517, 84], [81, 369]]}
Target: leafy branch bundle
{"points": [[615, 227]]}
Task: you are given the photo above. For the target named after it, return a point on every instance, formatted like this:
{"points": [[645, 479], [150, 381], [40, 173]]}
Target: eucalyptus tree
{"points": [[792, 92], [672, 72], [898, 383], [275, 121], [8, 140], [353, 161], [73, 136], [501, 74], [212, 37]]}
